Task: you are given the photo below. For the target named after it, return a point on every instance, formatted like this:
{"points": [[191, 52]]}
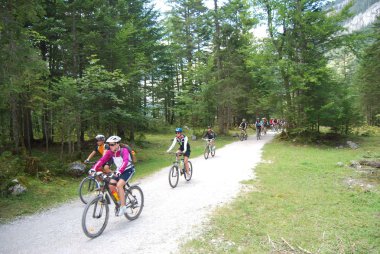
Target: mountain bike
{"points": [[89, 187], [209, 148], [96, 213], [178, 168], [243, 134], [258, 133]]}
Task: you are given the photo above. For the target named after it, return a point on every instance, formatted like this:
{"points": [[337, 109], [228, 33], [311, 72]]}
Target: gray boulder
{"points": [[355, 164], [76, 169], [17, 189], [352, 145]]}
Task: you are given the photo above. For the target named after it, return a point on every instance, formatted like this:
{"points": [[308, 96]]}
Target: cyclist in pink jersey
{"points": [[124, 168]]}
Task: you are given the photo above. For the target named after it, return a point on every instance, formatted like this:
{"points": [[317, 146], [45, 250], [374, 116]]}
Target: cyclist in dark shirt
{"points": [[210, 135]]}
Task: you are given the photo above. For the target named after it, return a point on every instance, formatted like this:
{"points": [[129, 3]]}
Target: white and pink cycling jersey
{"points": [[121, 158]]}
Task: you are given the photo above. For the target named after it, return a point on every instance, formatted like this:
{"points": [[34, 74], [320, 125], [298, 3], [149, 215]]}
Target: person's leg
{"points": [[178, 154], [106, 169], [186, 159], [120, 191]]}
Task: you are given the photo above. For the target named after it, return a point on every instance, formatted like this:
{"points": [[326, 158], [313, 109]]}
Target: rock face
{"points": [[363, 19], [76, 169], [17, 189]]}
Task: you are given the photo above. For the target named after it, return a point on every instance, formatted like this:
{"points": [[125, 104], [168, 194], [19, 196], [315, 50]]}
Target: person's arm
{"points": [[125, 155], [98, 165], [185, 145], [172, 146], [91, 155]]}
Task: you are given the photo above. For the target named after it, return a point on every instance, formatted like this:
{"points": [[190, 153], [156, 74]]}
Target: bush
{"points": [[367, 131]]}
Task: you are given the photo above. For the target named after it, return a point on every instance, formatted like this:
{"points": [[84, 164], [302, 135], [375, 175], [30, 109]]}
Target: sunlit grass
{"points": [[302, 202]]}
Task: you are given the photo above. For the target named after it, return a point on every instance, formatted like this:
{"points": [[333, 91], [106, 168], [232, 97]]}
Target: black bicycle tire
{"points": [[84, 228], [206, 152], [173, 185], [127, 194], [191, 171], [81, 186]]}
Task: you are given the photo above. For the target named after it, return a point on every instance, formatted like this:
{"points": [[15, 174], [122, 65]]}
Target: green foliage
{"points": [[368, 78]]}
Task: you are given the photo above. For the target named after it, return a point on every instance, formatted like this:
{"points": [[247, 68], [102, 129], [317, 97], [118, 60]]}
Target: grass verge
{"points": [[45, 194], [302, 203]]}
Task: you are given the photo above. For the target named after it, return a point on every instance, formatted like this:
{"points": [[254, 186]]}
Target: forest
{"points": [[70, 69]]}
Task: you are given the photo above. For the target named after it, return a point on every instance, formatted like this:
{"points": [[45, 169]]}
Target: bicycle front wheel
{"points": [[206, 152], [95, 217], [213, 149], [188, 176], [173, 176], [241, 136], [134, 200], [88, 189]]}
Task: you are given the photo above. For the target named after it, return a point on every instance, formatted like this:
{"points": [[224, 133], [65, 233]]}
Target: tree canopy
{"points": [[71, 69]]}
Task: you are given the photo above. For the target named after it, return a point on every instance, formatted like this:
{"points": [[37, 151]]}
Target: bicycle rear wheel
{"points": [[95, 217], [206, 152], [188, 177], [173, 176], [88, 189], [134, 200]]}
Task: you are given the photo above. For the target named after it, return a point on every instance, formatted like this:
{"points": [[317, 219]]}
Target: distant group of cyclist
{"points": [[262, 125]]}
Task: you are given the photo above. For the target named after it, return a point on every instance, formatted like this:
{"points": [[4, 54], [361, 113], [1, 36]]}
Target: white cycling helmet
{"points": [[114, 139], [100, 137]]}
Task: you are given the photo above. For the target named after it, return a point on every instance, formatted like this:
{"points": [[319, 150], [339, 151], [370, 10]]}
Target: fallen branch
{"points": [[306, 251], [291, 247], [270, 241]]}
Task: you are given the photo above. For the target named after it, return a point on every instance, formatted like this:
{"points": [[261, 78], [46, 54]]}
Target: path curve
{"points": [[168, 215]]}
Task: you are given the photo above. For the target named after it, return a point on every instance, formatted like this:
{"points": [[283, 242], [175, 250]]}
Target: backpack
{"points": [[131, 152]]}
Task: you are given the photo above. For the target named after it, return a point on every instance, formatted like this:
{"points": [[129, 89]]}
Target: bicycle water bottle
{"points": [[181, 164], [116, 196]]}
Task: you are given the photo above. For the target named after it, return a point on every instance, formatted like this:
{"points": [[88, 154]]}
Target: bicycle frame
{"points": [[208, 143]]}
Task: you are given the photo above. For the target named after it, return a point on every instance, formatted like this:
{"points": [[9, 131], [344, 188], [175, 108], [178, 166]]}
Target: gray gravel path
{"points": [[168, 216]]}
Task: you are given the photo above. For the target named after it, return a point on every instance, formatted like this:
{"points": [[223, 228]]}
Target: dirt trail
{"points": [[169, 214]]}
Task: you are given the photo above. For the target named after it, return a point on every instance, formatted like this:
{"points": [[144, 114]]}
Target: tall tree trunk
{"points": [[15, 123], [28, 130], [145, 96], [217, 41], [45, 131], [79, 132]]}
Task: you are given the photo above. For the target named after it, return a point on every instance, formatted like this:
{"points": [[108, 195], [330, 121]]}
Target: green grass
{"points": [[300, 199], [151, 157]]}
